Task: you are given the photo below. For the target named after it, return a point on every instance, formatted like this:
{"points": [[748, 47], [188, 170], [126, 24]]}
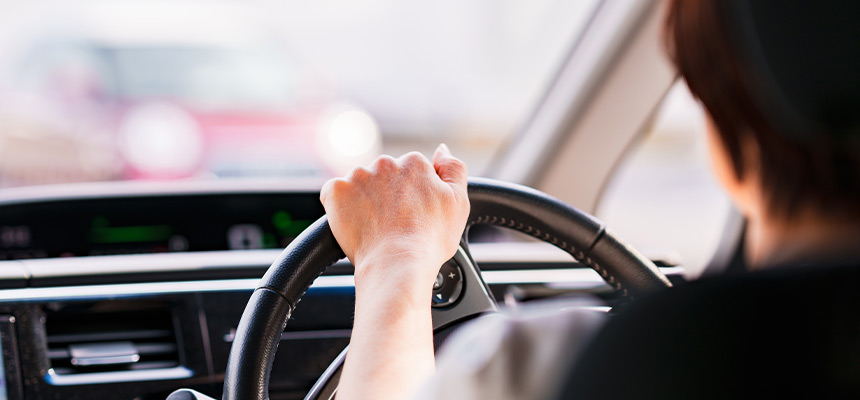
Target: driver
{"points": [[398, 220]]}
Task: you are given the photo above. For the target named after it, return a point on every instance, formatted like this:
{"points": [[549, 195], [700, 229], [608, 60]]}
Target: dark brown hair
{"points": [[821, 173]]}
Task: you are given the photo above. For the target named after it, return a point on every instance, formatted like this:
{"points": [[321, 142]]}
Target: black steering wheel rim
{"points": [[493, 202]]}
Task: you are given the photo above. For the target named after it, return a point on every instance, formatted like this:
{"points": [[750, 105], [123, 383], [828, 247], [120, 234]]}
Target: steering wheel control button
{"points": [[440, 280], [448, 285]]}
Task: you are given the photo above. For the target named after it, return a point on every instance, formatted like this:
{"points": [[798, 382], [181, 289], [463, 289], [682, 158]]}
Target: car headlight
{"points": [[347, 137], [161, 140]]}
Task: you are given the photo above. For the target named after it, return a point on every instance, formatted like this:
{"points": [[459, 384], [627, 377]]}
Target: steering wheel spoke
{"points": [[463, 294]]}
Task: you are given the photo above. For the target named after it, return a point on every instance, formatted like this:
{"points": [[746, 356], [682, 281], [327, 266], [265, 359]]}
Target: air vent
{"points": [[94, 340]]}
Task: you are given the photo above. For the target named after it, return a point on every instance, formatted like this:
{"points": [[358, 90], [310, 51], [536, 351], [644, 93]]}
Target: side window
{"points": [[663, 198]]}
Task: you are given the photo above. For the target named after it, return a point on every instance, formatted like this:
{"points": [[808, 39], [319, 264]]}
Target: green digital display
{"points": [[102, 232], [287, 226]]}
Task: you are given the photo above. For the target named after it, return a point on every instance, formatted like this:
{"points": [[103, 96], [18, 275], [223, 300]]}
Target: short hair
{"points": [[820, 171]]}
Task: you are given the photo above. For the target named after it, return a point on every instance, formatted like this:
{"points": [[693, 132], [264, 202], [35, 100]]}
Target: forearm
{"points": [[397, 221], [391, 348]]}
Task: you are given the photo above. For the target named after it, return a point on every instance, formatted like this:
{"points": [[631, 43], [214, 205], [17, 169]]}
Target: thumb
{"points": [[449, 168]]}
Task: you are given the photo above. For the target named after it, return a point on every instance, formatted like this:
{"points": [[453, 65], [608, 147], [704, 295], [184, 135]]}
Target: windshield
{"points": [[136, 90], [202, 77]]}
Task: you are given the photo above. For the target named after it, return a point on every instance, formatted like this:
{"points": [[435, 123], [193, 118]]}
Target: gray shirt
{"points": [[515, 354]]}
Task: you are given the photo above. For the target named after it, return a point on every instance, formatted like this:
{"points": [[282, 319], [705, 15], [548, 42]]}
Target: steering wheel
{"points": [[459, 294]]}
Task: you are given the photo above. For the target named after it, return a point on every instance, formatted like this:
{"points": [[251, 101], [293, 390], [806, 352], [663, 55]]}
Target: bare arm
{"points": [[398, 222]]}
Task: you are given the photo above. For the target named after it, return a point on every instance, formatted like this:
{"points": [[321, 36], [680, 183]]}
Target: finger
{"points": [[383, 164], [359, 174], [441, 151], [415, 162], [449, 168], [326, 191]]}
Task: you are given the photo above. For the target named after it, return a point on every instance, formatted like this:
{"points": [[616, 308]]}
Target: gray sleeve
{"points": [[518, 355]]}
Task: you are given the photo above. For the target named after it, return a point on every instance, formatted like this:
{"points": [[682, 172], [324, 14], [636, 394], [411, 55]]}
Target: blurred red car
{"points": [[160, 95]]}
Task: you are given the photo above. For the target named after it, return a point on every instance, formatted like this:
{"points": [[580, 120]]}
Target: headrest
{"points": [[803, 57]]}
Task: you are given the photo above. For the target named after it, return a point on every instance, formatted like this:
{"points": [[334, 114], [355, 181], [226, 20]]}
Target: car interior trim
{"points": [[575, 85], [597, 140], [107, 190], [573, 277], [529, 253], [118, 376]]}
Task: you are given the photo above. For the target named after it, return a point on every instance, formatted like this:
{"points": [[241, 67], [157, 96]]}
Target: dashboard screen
{"points": [[154, 224]]}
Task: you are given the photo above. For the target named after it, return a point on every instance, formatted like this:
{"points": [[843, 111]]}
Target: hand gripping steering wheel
{"points": [[462, 296]]}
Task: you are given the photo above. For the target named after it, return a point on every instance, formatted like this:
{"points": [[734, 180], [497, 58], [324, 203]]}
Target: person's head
{"points": [[787, 175]]}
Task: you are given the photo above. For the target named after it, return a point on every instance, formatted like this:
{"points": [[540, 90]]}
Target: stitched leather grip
{"points": [[578, 233]]}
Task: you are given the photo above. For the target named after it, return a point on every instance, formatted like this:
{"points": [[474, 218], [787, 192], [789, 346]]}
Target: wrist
{"points": [[395, 257], [407, 278]]}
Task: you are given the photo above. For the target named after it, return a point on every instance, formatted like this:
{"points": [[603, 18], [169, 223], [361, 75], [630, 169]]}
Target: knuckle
{"points": [[415, 161], [385, 163], [359, 174], [339, 186], [325, 191], [413, 157], [333, 187]]}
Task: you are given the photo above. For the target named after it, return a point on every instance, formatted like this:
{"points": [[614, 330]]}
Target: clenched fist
{"points": [[405, 212]]}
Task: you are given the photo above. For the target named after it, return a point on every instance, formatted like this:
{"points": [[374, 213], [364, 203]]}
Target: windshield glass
{"points": [[135, 90], [201, 77]]}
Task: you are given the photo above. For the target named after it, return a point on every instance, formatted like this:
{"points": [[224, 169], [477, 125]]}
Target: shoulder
{"points": [[796, 322]]}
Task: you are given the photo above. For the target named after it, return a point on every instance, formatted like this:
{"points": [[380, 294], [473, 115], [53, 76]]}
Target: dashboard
{"points": [[154, 224], [130, 291]]}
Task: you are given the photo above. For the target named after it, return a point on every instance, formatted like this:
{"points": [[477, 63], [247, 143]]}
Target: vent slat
{"points": [[155, 348], [142, 366], [109, 336], [58, 354], [143, 349], [77, 337]]}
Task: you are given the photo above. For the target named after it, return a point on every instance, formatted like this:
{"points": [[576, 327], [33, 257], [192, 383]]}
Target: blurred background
{"points": [[164, 90], [113, 90]]}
